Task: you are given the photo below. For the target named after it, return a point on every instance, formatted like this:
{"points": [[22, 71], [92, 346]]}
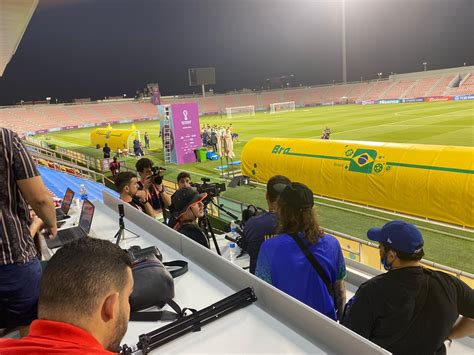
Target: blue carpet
{"points": [[58, 182]]}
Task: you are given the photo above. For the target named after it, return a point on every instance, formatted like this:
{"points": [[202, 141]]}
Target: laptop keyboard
{"points": [[72, 234]]}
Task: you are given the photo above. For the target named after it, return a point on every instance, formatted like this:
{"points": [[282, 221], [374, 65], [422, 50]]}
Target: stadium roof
{"points": [[14, 18]]}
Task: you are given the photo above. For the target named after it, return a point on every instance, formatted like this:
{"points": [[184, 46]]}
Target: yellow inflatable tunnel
{"points": [[430, 181], [115, 138]]}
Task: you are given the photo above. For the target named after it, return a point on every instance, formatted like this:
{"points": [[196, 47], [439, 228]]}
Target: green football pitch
{"points": [[440, 123]]}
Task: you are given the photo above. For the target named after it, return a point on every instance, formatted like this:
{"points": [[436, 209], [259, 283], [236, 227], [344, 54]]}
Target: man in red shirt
{"points": [[83, 305], [114, 167]]}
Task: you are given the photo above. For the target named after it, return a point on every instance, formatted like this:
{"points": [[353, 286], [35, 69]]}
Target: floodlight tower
{"points": [[424, 65], [344, 54]]}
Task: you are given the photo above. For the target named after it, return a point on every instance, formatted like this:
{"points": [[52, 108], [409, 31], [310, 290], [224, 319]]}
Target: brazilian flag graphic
{"points": [[363, 161]]}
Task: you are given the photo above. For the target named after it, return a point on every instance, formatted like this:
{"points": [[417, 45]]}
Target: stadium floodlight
{"points": [[240, 111], [424, 65], [278, 107], [380, 75]]}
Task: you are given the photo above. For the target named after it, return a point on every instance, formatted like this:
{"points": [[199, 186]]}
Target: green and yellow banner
{"points": [[430, 181]]}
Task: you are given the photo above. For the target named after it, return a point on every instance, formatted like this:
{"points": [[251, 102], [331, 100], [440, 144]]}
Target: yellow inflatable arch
{"points": [[115, 138], [429, 181]]}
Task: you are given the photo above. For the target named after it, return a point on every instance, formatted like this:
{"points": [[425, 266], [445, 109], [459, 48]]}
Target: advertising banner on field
{"points": [[430, 181], [418, 99], [463, 97], [185, 132], [367, 102], [388, 101], [437, 98]]}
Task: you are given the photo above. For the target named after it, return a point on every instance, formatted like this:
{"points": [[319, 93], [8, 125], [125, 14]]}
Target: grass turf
{"points": [[441, 123]]}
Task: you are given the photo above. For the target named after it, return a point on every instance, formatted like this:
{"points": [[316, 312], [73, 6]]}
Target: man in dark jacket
{"points": [[409, 309]]}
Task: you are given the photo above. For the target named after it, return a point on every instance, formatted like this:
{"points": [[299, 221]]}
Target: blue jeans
{"points": [[19, 293]]}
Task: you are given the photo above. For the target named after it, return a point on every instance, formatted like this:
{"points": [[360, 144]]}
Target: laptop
{"points": [[81, 231], [61, 212]]}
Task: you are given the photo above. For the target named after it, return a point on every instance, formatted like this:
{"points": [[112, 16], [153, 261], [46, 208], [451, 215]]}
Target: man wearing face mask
{"points": [[409, 309]]}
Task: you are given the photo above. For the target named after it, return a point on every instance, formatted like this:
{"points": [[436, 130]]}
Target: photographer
{"points": [[127, 186], [188, 208], [151, 181], [263, 227]]}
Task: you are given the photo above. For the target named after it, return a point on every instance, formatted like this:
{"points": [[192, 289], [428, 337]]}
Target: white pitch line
{"points": [[395, 123]]}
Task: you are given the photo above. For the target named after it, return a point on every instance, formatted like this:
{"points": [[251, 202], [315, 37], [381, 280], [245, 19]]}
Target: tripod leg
{"points": [[213, 236]]}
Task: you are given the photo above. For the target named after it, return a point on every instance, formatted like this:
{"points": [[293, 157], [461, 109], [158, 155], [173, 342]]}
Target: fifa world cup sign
{"points": [[423, 180], [185, 132]]}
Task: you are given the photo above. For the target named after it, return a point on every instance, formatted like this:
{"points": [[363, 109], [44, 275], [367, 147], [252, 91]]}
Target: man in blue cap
{"points": [[409, 309]]}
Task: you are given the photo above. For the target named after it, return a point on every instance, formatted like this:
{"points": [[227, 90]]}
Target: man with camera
{"points": [[262, 227], [127, 186], [187, 209], [151, 181]]}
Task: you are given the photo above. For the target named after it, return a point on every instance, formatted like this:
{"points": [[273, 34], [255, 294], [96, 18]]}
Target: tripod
{"points": [[120, 235], [205, 224]]}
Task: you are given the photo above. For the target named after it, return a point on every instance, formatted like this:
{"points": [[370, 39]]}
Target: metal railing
{"points": [[353, 248], [62, 165]]}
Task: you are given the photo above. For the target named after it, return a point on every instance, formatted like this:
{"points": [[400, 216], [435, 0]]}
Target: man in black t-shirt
{"points": [[408, 310], [187, 209], [152, 185], [263, 227], [128, 188], [106, 151]]}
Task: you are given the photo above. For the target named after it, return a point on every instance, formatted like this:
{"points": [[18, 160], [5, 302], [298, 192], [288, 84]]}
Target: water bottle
{"points": [[83, 192], [232, 251], [233, 230]]}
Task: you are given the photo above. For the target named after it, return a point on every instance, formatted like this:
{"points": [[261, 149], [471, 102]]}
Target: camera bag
{"points": [[153, 284]]}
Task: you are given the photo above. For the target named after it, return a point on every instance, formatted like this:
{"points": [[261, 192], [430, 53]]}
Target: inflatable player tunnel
{"points": [[430, 181], [115, 138]]}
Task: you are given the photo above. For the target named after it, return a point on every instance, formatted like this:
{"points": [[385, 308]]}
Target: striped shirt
{"points": [[16, 244]]}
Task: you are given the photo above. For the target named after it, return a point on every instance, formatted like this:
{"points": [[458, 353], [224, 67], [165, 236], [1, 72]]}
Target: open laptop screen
{"points": [[67, 199], [85, 221]]}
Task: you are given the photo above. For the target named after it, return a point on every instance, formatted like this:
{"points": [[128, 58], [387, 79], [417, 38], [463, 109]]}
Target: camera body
{"points": [[157, 173], [212, 190], [251, 211]]}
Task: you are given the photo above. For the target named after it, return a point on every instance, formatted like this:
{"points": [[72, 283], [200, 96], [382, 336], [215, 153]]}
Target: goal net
{"points": [[282, 107], [240, 111]]}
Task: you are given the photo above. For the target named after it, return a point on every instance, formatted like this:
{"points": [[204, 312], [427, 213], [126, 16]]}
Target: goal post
{"points": [[240, 111], [282, 107]]}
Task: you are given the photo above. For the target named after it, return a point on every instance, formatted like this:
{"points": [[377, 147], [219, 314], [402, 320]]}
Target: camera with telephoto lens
{"points": [[212, 190], [157, 173]]}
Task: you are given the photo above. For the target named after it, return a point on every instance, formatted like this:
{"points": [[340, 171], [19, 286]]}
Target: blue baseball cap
{"points": [[400, 235]]}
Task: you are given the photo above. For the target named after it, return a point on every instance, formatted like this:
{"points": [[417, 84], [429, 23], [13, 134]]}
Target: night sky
{"points": [[97, 48]]}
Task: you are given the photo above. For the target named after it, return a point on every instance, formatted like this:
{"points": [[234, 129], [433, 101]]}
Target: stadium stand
{"points": [[398, 89], [336, 92], [441, 85], [31, 118], [315, 95], [296, 95], [359, 90], [421, 87], [208, 104], [248, 100], [466, 86], [377, 90], [270, 97]]}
